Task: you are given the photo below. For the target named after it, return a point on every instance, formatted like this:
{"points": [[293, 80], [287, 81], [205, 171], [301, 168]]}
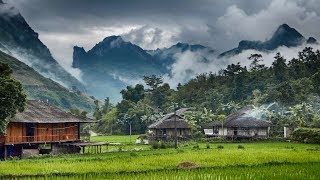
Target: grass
{"points": [[115, 139], [265, 171], [257, 155]]}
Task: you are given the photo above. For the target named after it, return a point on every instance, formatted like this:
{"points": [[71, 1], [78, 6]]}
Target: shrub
{"points": [[155, 145], [241, 147], [162, 145], [220, 147], [208, 146], [196, 147], [133, 154], [306, 135]]}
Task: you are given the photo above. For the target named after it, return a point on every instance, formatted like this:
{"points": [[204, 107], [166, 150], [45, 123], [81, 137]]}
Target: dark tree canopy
{"points": [[153, 81], [133, 93], [12, 98]]}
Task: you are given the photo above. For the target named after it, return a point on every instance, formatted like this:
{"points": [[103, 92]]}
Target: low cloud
{"points": [[190, 64], [127, 80], [8, 10], [236, 24], [151, 37]]}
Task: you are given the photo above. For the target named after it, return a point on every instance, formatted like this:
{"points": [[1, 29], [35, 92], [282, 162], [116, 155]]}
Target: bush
{"points": [[162, 145], [208, 146], [241, 147], [196, 147], [306, 135], [220, 147], [155, 145]]}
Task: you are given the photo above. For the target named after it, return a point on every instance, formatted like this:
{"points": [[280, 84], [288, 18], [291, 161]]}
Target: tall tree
{"points": [[12, 98], [280, 68], [153, 81]]}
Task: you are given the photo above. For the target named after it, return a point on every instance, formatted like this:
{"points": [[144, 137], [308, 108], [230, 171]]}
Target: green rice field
{"points": [[273, 160]]}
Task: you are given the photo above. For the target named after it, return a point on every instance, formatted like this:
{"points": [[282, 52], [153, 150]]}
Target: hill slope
{"points": [[40, 88], [23, 43]]}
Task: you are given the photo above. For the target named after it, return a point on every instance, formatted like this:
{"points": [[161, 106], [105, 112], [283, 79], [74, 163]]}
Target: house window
{"points": [[164, 132]]}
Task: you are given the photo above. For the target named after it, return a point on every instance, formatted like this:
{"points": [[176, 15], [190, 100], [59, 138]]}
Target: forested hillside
{"points": [[41, 88], [293, 85]]}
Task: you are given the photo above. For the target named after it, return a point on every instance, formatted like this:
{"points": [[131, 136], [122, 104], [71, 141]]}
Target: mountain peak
{"points": [[283, 36], [112, 38], [110, 42], [285, 31], [312, 40]]}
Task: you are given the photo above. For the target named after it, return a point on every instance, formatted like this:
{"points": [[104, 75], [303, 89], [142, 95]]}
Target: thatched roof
{"points": [[42, 112], [241, 119], [167, 122], [183, 111]]}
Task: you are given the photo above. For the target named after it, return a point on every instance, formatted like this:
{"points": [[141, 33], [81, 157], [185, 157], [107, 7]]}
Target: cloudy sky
{"points": [[220, 24]]}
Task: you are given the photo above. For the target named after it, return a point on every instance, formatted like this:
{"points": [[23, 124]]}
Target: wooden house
{"points": [[240, 125], [165, 127], [40, 123]]}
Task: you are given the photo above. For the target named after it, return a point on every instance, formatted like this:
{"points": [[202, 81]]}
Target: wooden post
{"points": [[83, 149], [5, 152], [175, 127]]}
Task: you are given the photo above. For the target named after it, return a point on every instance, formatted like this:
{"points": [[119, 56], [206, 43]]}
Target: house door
{"points": [[235, 131], [30, 132]]}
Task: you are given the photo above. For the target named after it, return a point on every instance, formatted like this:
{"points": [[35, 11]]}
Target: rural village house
{"points": [[165, 127], [40, 123], [240, 125]]}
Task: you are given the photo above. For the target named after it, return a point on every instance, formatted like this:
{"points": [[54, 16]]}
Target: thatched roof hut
{"points": [[242, 119], [165, 127], [168, 122]]}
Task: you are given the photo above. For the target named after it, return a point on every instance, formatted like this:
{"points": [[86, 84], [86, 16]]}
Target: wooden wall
{"points": [[17, 133]]}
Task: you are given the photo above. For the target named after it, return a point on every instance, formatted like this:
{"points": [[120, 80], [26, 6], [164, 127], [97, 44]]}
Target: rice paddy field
{"points": [[272, 160]]}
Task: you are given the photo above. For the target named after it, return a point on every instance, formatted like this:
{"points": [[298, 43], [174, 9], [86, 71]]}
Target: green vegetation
{"points": [[307, 135], [12, 97], [270, 159]]}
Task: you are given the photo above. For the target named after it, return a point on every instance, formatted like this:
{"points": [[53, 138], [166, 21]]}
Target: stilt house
{"points": [[40, 124]]}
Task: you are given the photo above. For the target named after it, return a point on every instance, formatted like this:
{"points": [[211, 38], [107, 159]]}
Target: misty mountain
{"points": [[283, 36], [41, 88], [18, 38], [111, 65], [165, 57]]}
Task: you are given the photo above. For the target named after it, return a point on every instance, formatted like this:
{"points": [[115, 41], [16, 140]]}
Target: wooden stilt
{"points": [[5, 152]]}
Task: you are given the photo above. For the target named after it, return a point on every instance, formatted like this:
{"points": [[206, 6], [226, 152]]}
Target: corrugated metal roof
{"points": [[43, 112]]}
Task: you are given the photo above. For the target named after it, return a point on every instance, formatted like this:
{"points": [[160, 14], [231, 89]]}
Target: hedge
{"points": [[306, 135]]}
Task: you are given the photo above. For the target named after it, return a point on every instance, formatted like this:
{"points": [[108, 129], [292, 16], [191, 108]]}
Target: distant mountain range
{"points": [[283, 36], [111, 65]]}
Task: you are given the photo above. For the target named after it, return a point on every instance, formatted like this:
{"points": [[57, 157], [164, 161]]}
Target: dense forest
{"points": [[294, 85]]}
